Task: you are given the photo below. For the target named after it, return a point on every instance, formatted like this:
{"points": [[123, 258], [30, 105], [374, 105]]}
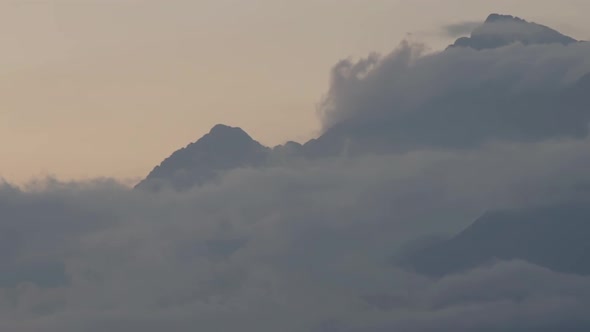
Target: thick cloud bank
{"points": [[303, 247], [500, 86]]}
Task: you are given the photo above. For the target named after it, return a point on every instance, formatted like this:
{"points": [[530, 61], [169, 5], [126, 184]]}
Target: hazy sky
{"points": [[111, 87], [311, 239]]}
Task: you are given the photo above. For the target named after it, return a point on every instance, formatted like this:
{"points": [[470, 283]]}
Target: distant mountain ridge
{"points": [[226, 148], [502, 30], [554, 237]]}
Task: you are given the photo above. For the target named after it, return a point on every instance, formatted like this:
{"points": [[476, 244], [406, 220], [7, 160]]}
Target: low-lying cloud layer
{"points": [[304, 248], [308, 245]]}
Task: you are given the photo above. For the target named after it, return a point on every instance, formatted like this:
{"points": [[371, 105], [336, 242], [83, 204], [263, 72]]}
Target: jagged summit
{"points": [[222, 149], [493, 18], [222, 127], [228, 137], [502, 115], [501, 30], [221, 130]]}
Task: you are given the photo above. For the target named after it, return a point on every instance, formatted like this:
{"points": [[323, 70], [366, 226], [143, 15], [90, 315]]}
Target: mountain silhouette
{"points": [[224, 148], [493, 108], [502, 30], [459, 119], [553, 237]]}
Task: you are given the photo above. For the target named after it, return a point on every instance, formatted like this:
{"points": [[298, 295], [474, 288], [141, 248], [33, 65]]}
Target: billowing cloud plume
{"points": [[460, 97]]}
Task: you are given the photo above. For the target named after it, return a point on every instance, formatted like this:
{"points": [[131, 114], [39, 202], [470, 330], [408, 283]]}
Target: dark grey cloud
{"points": [[298, 247], [513, 296], [457, 98]]}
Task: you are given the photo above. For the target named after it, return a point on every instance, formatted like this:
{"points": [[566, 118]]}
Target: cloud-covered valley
{"points": [[416, 147]]}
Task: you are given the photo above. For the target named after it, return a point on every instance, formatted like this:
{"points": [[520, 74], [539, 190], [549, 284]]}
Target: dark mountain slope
{"points": [[224, 148], [463, 118], [502, 30], [557, 238]]}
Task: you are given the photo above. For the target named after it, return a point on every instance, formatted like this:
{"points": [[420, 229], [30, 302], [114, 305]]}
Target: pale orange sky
{"points": [[110, 87]]}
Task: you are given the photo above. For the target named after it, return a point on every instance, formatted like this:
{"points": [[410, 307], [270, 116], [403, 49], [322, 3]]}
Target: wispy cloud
{"points": [[460, 29]]}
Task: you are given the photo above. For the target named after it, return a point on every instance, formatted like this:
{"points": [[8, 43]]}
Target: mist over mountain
{"points": [[469, 165], [503, 30], [476, 92], [553, 237], [522, 89], [512, 81]]}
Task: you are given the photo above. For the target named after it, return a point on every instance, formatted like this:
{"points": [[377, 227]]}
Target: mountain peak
{"points": [[500, 30], [225, 131], [221, 127], [493, 18], [224, 148]]}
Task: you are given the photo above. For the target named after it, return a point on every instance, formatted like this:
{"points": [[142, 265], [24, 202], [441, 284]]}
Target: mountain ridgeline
{"points": [[224, 148], [503, 30], [485, 113], [492, 110], [554, 237]]}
